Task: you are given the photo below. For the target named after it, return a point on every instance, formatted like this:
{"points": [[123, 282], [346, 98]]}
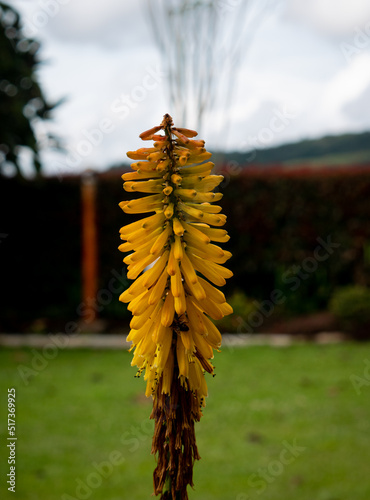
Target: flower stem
{"points": [[174, 439]]}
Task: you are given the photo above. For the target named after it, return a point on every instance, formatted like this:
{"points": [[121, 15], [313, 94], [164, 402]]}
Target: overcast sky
{"points": [[305, 74]]}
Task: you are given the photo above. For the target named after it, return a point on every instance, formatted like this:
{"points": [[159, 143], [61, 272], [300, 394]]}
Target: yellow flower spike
{"points": [[172, 335]]}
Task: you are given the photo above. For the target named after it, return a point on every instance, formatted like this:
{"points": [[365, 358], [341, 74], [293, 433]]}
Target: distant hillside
{"points": [[346, 149], [329, 150]]}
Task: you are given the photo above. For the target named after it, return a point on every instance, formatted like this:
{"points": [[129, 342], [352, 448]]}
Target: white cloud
{"points": [[108, 23], [333, 17], [98, 53]]}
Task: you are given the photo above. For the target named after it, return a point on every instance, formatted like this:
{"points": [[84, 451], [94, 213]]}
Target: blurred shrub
{"points": [[282, 224], [351, 307], [304, 232], [243, 307]]}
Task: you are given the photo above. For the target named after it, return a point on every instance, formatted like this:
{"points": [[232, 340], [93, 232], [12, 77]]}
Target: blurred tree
{"points": [[202, 43], [22, 104]]}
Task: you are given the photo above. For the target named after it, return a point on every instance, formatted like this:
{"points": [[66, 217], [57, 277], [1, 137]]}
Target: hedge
{"points": [[303, 232]]}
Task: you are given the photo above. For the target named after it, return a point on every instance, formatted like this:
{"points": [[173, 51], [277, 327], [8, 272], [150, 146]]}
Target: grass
{"points": [[84, 411]]}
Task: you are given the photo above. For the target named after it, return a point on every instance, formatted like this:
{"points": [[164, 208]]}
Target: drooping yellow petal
{"points": [[168, 310]]}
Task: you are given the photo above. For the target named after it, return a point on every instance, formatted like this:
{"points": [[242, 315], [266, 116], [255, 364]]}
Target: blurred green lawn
{"points": [[86, 408]]}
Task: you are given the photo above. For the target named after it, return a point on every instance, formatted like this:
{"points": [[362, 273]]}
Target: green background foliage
{"points": [[276, 220]]}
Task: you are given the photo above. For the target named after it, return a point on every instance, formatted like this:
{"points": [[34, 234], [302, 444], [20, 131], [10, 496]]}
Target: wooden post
{"points": [[89, 246]]}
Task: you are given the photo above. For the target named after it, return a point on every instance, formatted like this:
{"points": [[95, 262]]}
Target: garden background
{"points": [[278, 218], [284, 94]]}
